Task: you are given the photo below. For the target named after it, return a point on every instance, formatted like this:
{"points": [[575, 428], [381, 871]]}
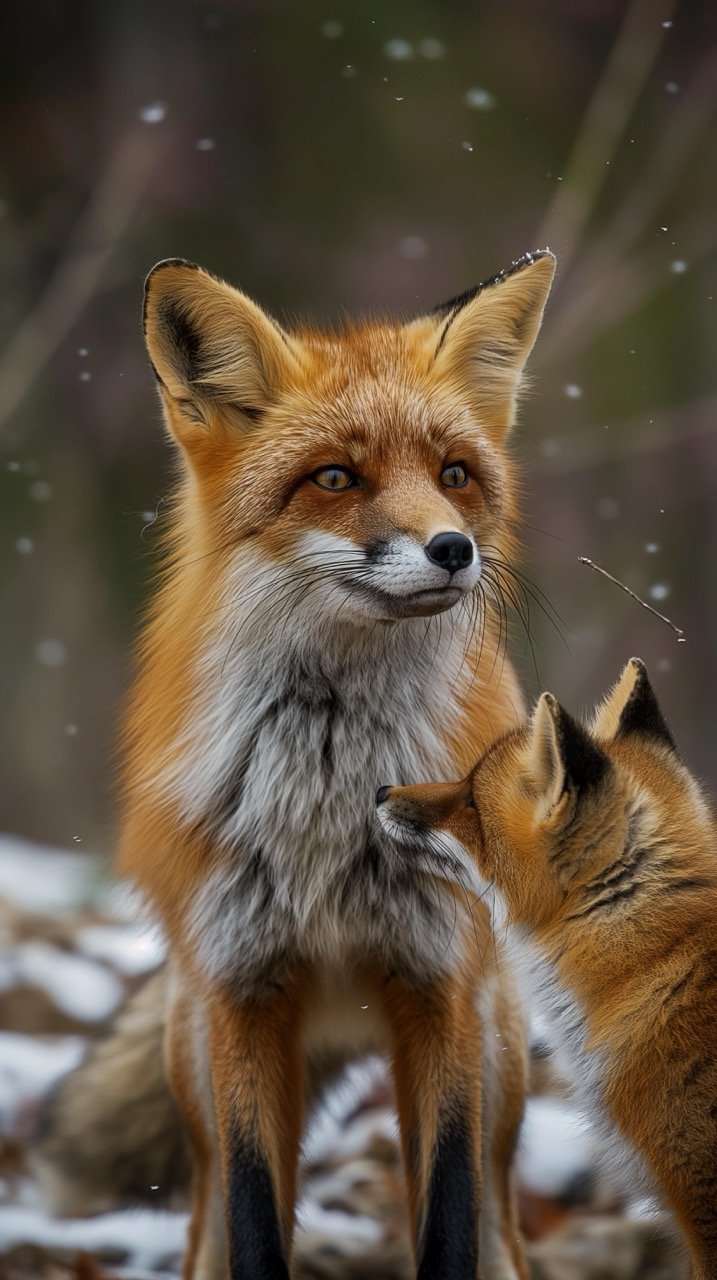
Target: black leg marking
{"points": [[255, 1248], [449, 1246]]}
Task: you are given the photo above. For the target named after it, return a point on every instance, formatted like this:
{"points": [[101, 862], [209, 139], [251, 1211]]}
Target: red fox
{"points": [[330, 614], [600, 848]]}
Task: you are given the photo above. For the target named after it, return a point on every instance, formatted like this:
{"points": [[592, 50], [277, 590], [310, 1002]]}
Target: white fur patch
{"points": [[583, 1066], [405, 568], [300, 713]]}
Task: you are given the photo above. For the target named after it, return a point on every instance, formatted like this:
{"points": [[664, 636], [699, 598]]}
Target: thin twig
{"points": [[592, 565], [608, 111]]}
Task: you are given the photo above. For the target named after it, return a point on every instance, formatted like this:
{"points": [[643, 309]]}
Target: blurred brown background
{"points": [[329, 155]]}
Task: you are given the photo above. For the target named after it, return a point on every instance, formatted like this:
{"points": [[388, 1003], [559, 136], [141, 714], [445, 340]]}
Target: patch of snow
{"points": [[29, 1068], [78, 986], [556, 1146], [147, 1238], [353, 1231], [42, 879], [131, 950]]}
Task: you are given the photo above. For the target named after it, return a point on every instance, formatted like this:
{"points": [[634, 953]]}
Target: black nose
{"points": [[382, 794], [451, 551]]}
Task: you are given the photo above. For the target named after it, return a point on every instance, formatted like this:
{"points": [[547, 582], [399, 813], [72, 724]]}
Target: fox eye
{"points": [[334, 478], [454, 476], [470, 802]]}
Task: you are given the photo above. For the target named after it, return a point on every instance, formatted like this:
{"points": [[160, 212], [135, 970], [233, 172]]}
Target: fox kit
{"points": [[601, 849], [329, 614]]}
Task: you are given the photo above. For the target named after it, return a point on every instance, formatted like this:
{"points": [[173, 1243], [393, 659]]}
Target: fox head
{"points": [[365, 467], [554, 803]]}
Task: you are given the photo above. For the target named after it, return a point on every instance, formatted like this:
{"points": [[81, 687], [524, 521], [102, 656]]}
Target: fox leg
{"points": [[189, 1079], [506, 1065], [258, 1085], [436, 1049]]}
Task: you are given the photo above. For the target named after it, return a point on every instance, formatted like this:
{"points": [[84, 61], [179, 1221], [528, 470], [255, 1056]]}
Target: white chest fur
{"points": [[281, 764], [580, 1063]]}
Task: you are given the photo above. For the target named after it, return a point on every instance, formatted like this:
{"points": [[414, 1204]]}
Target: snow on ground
{"points": [[77, 986], [73, 948], [134, 951], [29, 1067], [37, 878], [557, 1147], [144, 1238]]}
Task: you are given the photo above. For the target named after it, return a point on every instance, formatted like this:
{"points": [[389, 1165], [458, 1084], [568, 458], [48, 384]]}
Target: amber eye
{"points": [[454, 476], [334, 478]]}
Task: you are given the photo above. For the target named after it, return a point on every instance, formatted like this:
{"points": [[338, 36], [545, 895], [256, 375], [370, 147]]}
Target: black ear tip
{"points": [[641, 713]]}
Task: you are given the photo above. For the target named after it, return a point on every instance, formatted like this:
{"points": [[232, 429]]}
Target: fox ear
{"points": [[564, 760], [632, 708], [484, 337], [216, 355]]}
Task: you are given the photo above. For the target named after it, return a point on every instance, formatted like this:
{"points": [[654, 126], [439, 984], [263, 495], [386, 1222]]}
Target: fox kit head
{"points": [[554, 807], [366, 468]]}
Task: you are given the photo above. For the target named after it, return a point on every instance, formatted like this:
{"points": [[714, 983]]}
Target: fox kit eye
{"points": [[454, 476], [334, 478]]}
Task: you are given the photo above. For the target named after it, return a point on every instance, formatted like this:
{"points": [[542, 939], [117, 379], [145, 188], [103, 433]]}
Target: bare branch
{"points": [[593, 301], [592, 565], [91, 246]]}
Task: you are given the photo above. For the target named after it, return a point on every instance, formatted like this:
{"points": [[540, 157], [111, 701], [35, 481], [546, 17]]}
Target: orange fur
{"points": [[257, 413], [602, 847]]}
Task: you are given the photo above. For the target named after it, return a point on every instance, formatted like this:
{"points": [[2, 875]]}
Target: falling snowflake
{"points": [[432, 49], [51, 653], [479, 99], [153, 113], [399, 50], [413, 247]]}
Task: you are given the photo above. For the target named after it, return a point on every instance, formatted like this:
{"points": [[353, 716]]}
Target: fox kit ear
{"points": [[632, 708], [485, 336], [215, 353], [564, 760]]}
